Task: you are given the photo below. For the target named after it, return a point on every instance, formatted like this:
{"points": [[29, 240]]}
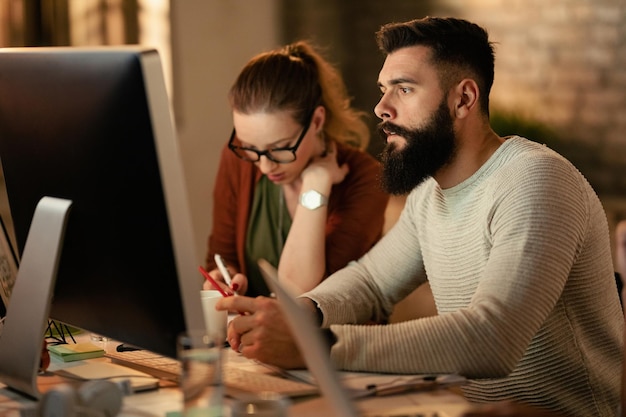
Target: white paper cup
{"points": [[215, 321]]}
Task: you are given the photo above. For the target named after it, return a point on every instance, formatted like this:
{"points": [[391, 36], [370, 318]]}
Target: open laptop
{"points": [[317, 358]]}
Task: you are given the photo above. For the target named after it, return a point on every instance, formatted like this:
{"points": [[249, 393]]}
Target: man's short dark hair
{"points": [[459, 48]]}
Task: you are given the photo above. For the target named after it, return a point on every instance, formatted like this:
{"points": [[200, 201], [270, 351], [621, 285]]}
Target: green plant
{"points": [[510, 123]]}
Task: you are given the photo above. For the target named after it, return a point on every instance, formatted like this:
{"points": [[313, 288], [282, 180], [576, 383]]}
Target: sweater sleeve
{"points": [[353, 294]]}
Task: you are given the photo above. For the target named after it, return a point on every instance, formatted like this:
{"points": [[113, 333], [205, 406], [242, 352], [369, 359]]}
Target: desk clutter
{"points": [[97, 375]]}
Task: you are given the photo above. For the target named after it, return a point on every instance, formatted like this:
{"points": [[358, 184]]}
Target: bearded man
{"points": [[511, 237]]}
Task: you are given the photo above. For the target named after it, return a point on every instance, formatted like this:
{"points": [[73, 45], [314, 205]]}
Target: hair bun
{"points": [[295, 50]]}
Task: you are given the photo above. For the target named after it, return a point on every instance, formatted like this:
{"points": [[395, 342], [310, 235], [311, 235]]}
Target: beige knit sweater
{"points": [[518, 259]]}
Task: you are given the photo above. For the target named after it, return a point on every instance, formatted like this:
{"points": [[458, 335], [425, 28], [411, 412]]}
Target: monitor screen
{"points": [[94, 126]]}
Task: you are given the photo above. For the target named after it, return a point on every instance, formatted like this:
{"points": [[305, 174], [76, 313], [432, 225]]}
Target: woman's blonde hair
{"points": [[297, 78]]}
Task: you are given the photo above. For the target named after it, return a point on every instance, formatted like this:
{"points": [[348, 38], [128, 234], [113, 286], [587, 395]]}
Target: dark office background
{"points": [[574, 63], [560, 65]]}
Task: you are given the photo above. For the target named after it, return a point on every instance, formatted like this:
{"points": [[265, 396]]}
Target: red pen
{"points": [[216, 285], [213, 282]]}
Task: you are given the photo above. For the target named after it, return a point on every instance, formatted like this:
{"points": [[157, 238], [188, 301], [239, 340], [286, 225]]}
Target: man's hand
{"points": [[260, 331]]}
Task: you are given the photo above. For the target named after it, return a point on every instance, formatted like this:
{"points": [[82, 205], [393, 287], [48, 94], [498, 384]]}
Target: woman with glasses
{"points": [[294, 184]]}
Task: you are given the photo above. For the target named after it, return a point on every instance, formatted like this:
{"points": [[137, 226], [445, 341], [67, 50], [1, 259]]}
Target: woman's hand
{"points": [[325, 168], [238, 285]]}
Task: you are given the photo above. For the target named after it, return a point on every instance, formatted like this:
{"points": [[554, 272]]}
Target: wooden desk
{"points": [[169, 398]]}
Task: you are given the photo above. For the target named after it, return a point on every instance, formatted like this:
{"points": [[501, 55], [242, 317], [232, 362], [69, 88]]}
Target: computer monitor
{"points": [[94, 126]]}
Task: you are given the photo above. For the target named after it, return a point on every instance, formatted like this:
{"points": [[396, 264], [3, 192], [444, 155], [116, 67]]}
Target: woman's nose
{"points": [[265, 164]]}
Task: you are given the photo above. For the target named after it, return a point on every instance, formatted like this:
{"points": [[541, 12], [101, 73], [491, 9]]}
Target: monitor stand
{"points": [[22, 337]]}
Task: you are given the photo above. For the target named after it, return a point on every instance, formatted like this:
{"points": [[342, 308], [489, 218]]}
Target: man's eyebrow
{"points": [[402, 81], [397, 81]]}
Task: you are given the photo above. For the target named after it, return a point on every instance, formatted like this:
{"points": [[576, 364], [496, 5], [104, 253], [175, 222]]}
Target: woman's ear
{"points": [[318, 119], [467, 95]]}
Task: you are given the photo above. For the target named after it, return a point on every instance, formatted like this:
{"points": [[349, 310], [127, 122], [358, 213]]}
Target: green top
{"points": [[268, 226]]}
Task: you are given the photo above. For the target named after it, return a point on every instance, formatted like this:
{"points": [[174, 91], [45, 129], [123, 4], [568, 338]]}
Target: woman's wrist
{"points": [[320, 183]]}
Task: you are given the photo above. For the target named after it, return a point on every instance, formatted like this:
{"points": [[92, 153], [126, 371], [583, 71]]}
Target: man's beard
{"points": [[427, 149]]}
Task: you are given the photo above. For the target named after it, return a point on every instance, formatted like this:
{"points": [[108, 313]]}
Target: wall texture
{"points": [[211, 41], [560, 64]]}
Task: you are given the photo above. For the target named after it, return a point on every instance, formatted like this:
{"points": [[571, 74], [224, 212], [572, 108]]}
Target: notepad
{"points": [[76, 351]]}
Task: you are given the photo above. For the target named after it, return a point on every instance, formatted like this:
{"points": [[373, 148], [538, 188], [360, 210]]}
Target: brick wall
{"points": [[563, 63]]}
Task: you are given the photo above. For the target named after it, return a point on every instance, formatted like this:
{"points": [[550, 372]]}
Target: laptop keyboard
{"points": [[236, 380]]}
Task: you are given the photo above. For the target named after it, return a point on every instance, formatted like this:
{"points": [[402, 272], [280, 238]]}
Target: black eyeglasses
{"points": [[278, 155]]}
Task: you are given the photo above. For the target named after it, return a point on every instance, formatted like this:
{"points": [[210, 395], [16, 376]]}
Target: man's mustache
{"points": [[386, 128]]}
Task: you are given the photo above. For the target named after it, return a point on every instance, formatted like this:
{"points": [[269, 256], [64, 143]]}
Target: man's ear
{"points": [[467, 94]]}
